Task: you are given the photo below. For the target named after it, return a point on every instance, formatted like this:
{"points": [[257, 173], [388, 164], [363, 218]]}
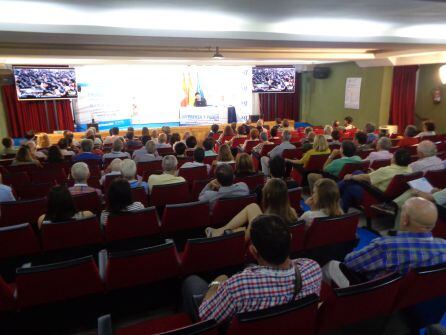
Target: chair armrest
{"points": [[102, 263]]}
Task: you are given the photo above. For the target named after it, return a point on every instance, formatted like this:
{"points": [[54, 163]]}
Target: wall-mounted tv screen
{"points": [[45, 83], [273, 79]]}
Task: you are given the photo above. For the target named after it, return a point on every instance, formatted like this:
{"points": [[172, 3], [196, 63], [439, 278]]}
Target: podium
{"points": [[93, 125]]}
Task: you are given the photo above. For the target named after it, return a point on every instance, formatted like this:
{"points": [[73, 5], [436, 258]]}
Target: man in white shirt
{"points": [[169, 176], [277, 151], [162, 142], [147, 153], [383, 146], [117, 151], [198, 160], [428, 161], [223, 186], [348, 123]]}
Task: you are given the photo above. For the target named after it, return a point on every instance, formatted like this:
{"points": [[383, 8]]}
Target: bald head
{"points": [[426, 149], [418, 215]]}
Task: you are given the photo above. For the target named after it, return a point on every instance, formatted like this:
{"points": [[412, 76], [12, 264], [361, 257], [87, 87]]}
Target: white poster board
{"points": [[352, 93]]}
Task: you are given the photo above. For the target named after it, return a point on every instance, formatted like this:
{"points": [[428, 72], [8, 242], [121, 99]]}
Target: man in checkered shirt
{"points": [[412, 247], [270, 283]]}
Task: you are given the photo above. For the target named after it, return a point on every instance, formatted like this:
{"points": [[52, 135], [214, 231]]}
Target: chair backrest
{"points": [[7, 300], [57, 282], [292, 153], [316, 162], [28, 168], [180, 217], [6, 162], [18, 240], [132, 225], [16, 179], [297, 232], [197, 187], [236, 141], [267, 148], [356, 303], [71, 234], [398, 185], [249, 145], [194, 173], [437, 178], [34, 190], [169, 194], [297, 317], [143, 266], [16, 212], [295, 195], [349, 168], [209, 159], [364, 153], [331, 230], [88, 202], [109, 179], [379, 163], [183, 160], [49, 175], [94, 165], [226, 208], [139, 194], [208, 327], [253, 181], [165, 151], [203, 255], [148, 168]]}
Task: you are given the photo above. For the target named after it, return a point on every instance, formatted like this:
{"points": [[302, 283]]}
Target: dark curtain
{"points": [[281, 105], [27, 115], [402, 103]]}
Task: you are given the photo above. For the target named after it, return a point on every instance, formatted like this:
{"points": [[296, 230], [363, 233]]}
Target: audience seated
{"points": [[327, 132], [369, 129], [336, 136], [361, 142], [244, 166], [43, 141], [234, 127], [34, 152], [162, 142], [114, 135], [224, 156], [116, 152], [412, 247], [198, 160], [227, 135], [253, 136], [208, 145], [63, 146], [191, 142], [91, 134], [131, 141], [174, 138], [113, 169], [409, 138], [54, 155], [348, 123], [382, 150], [214, 130], [128, 171], [285, 126], [223, 186], [23, 157], [154, 135], [257, 286], [428, 129], [145, 136], [273, 133], [147, 153], [85, 152], [277, 169], [167, 131], [324, 201], [180, 149], [277, 151], [119, 200], [275, 200], [169, 176], [5, 192], [7, 147], [428, 160], [80, 174], [320, 147], [263, 140], [60, 207]]}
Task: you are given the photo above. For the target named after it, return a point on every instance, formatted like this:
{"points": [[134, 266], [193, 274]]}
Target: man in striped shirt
{"points": [[276, 280], [412, 247]]}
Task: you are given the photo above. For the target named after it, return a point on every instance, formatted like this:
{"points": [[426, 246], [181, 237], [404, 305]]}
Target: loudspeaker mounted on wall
{"points": [[321, 72]]}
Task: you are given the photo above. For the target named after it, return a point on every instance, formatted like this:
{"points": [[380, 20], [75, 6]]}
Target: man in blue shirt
{"points": [[85, 153], [5, 192], [412, 247]]}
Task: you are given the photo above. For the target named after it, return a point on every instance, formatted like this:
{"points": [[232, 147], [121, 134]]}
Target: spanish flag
{"points": [[185, 100]]}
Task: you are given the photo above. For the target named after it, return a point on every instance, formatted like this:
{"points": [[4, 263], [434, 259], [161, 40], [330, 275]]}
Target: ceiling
{"points": [[370, 32]]}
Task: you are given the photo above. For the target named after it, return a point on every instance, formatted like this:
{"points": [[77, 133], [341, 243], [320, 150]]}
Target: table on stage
{"points": [[191, 116]]}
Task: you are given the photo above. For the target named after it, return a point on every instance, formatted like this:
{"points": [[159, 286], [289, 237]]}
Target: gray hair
{"points": [[151, 147], [116, 164], [286, 135], [169, 163], [128, 169], [162, 138], [117, 145], [328, 129], [86, 145], [80, 172], [384, 143], [263, 136], [427, 148]]}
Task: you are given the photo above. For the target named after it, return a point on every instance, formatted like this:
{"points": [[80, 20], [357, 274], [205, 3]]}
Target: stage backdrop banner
{"points": [[152, 95]]}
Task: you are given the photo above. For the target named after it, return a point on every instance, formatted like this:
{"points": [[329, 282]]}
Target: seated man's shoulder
{"points": [[307, 267]]}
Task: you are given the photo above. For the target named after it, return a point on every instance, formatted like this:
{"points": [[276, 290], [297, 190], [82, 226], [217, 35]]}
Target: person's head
{"points": [[278, 121], [169, 164], [166, 130], [328, 129], [307, 131], [199, 155], [273, 131], [114, 131], [128, 169], [286, 136], [253, 134], [90, 132], [186, 135], [335, 124], [60, 204], [208, 144], [23, 154], [241, 130], [214, 128], [43, 141], [336, 135], [54, 154], [275, 199], [32, 147], [87, 145], [119, 195], [130, 135], [401, 157], [311, 137], [410, 131], [145, 131], [175, 138], [224, 154], [285, 123], [30, 135], [80, 172], [326, 197], [197, 96], [243, 163], [130, 129], [384, 143], [270, 240], [369, 128], [348, 148], [320, 143], [7, 142], [263, 136], [62, 144], [191, 142], [428, 126], [151, 147], [179, 148], [348, 120], [115, 165], [162, 138], [118, 145], [361, 138], [418, 215], [154, 133], [259, 123], [277, 167], [234, 127], [228, 131], [426, 149], [224, 174]]}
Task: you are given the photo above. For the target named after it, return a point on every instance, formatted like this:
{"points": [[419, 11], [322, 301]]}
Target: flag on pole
{"points": [[185, 100], [190, 87]]}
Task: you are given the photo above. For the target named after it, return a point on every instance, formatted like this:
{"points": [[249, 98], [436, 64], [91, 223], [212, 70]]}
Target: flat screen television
{"points": [[273, 79], [45, 83]]}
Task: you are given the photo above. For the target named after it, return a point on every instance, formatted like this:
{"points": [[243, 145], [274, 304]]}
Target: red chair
{"points": [[194, 173], [331, 238], [108, 180], [18, 241], [165, 151], [276, 141], [437, 178], [88, 202], [183, 160], [266, 149], [55, 176], [349, 168], [162, 195], [181, 217], [292, 153], [65, 166], [197, 187], [139, 267], [34, 191], [249, 145], [357, 303], [440, 228], [8, 302], [57, 282], [16, 212], [94, 165], [148, 168], [295, 196], [71, 234], [16, 179], [139, 194], [28, 168], [296, 317], [226, 208], [315, 164], [297, 232], [131, 225], [238, 141], [365, 153], [379, 163], [205, 255], [253, 181]]}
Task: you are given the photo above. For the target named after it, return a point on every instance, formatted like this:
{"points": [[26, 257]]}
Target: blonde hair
{"points": [[243, 164], [320, 143], [43, 141], [327, 197], [224, 154], [275, 200]]}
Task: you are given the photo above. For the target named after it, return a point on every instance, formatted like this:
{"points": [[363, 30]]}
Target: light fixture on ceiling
{"points": [[442, 73], [217, 54]]}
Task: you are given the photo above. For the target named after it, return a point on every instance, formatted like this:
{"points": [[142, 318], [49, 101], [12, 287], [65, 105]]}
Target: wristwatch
{"points": [[214, 283]]}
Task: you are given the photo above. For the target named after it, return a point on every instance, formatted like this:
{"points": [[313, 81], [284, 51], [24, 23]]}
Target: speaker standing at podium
{"points": [[199, 101]]}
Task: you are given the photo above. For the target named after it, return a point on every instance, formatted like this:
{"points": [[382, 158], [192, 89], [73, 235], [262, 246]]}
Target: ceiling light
{"points": [[442, 72], [217, 54]]}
